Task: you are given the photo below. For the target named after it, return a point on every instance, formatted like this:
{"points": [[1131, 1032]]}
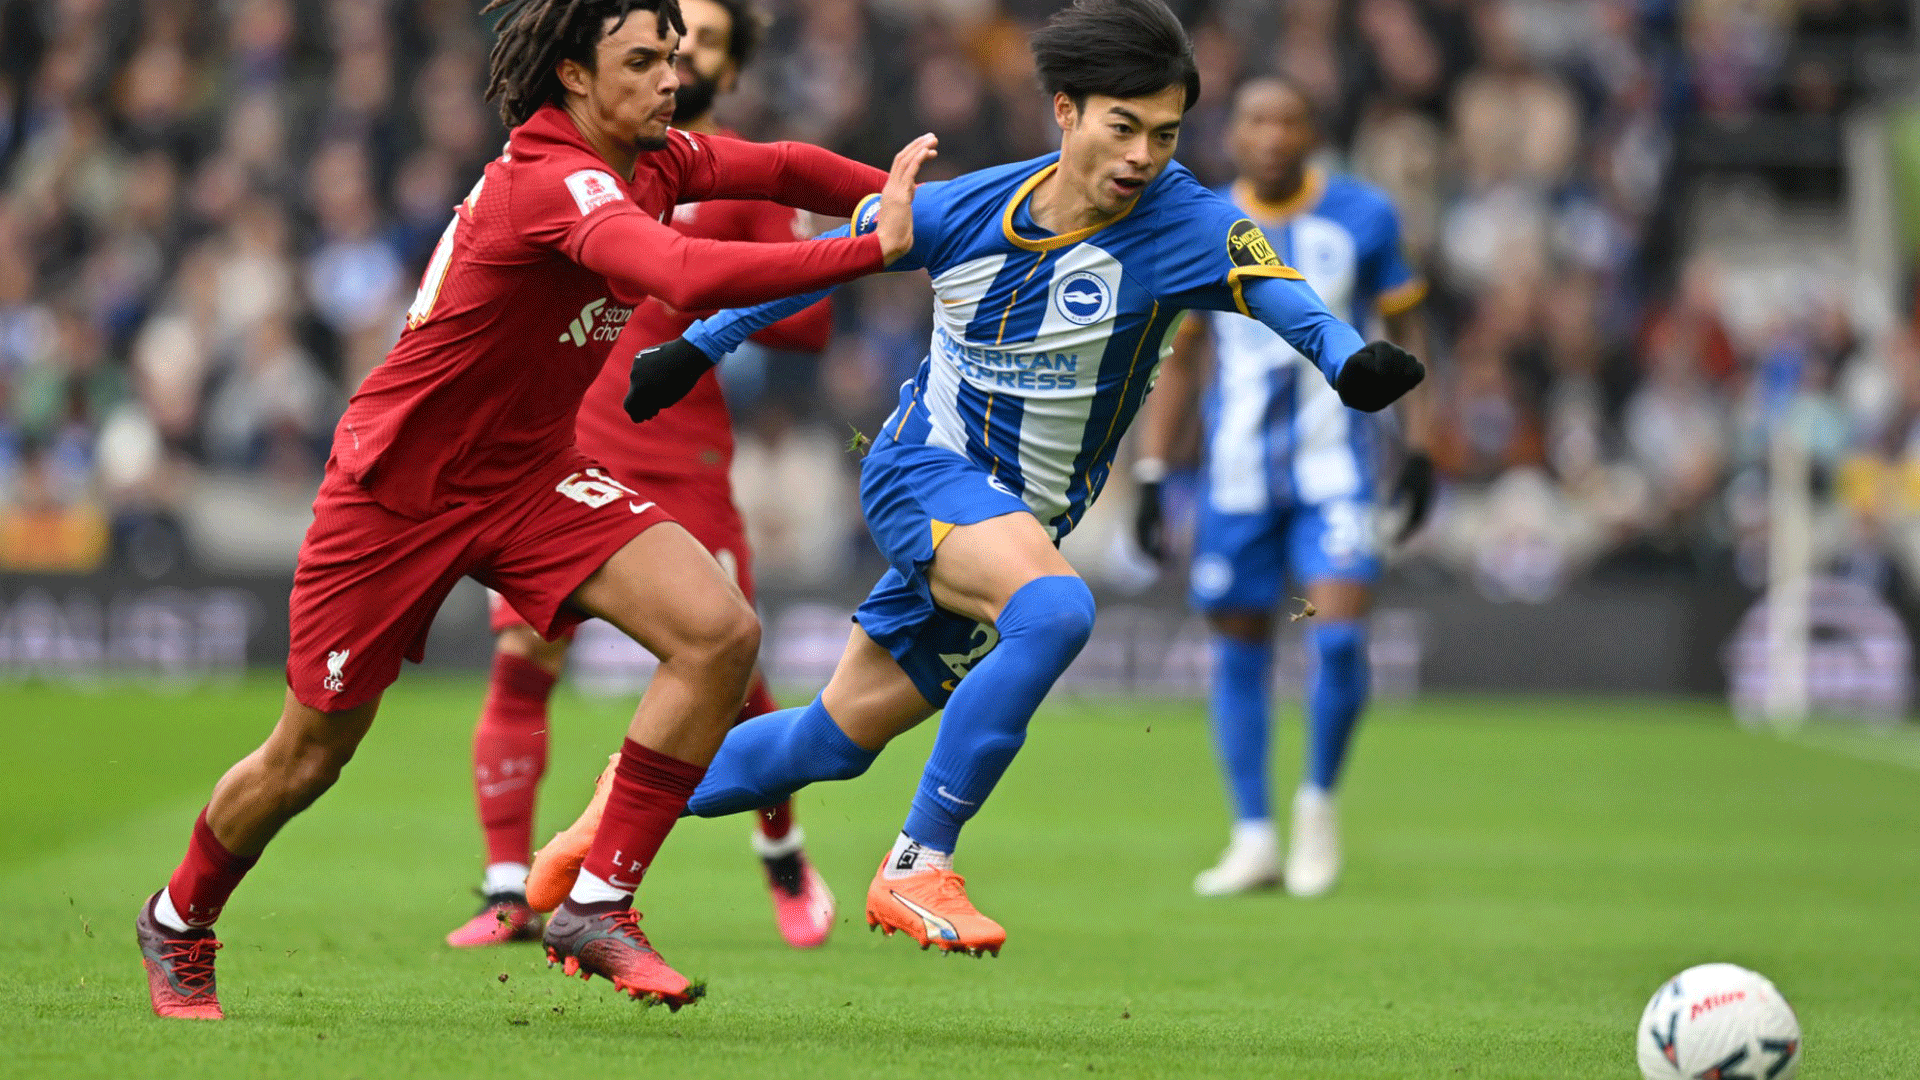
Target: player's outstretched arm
{"points": [[1368, 377], [789, 173], [643, 257], [667, 372]]}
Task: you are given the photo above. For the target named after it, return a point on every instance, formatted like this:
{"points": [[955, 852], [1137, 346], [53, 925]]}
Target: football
{"points": [[1718, 1022]]}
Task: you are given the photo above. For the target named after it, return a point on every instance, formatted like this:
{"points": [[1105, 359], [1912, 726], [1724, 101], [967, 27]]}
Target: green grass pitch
{"points": [[1521, 876]]}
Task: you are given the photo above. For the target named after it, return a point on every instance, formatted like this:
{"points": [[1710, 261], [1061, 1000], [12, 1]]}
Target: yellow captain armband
{"points": [[1252, 255]]}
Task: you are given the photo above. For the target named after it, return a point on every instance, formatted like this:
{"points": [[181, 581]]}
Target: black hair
{"points": [[744, 40], [535, 35], [1119, 48], [1283, 81]]}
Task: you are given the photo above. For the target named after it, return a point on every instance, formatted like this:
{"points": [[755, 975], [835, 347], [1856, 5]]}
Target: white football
{"points": [[1719, 1022]]}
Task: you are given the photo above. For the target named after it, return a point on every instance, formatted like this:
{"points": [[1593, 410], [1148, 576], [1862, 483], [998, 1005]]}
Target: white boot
{"points": [[1313, 861], [1251, 861]]}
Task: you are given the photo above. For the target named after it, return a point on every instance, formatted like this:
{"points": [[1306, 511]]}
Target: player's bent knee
{"points": [[1064, 612], [845, 768], [306, 753], [740, 638], [311, 779], [727, 636], [307, 770], [850, 769]]}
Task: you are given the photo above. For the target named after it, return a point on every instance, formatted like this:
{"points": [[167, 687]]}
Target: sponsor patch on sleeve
{"points": [[593, 189], [1248, 246]]}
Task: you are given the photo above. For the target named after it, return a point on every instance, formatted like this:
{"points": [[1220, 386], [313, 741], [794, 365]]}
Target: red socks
{"points": [[206, 877], [775, 821], [650, 791], [510, 755]]}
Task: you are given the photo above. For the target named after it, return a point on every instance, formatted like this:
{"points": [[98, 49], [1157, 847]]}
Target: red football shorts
{"points": [[703, 507], [369, 580]]}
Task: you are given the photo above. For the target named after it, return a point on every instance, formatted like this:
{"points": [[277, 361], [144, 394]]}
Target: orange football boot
{"points": [[179, 967], [556, 866], [931, 906]]}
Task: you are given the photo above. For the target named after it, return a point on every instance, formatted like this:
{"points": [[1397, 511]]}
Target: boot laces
{"points": [[626, 923], [953, 887], [191, 963]]}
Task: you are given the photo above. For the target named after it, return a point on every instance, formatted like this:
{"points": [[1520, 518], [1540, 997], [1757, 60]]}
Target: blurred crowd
{"points": [[212, 218]]}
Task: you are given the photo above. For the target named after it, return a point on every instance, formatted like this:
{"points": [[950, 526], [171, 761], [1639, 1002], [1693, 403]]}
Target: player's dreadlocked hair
{"points": [[1119, 48], [535, 35]]}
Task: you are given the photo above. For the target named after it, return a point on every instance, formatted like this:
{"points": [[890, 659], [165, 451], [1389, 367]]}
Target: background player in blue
{"points": [[1056, 283], [1287, 485]]}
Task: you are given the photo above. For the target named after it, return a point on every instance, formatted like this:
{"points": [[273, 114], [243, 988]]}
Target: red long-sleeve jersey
{"points": [[694, 438], [534, 279]]}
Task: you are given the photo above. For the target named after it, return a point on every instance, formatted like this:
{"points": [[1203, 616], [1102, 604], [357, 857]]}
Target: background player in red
{"points": [[456, 458], [681, 458]]}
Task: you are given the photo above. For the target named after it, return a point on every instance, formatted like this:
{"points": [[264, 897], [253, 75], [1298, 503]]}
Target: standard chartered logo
{"points": [[596, 322]]}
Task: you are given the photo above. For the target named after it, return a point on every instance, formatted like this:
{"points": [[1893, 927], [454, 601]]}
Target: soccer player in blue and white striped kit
{"points": [[1057, 281], [1287, 484]]}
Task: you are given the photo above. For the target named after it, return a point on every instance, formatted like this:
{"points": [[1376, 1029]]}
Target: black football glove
{"points": [[1416, 487], [663, 375], [1377, 375], [1149, 521]]}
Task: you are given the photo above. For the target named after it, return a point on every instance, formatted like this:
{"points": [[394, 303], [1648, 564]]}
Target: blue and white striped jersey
{"points": [[1044, 345], [1275, 432]]}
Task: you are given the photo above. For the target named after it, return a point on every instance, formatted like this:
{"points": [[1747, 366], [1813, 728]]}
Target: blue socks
{"points": [[770, 757], [1042, 628], [1336, 692], [1242, 684]]}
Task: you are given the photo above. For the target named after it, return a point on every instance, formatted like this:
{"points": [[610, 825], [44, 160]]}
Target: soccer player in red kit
{"points": [[456, 458], [681, 458]]}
